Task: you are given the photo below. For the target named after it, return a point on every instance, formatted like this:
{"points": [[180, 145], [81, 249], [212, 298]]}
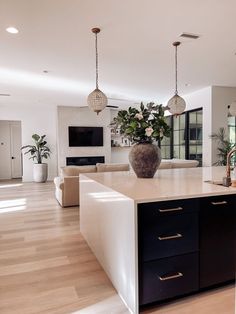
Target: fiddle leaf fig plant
{"points": [[39, 150]]}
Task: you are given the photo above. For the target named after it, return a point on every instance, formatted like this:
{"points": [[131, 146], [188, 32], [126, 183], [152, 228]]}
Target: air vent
{"points": [[5, 95], [188, 35]]}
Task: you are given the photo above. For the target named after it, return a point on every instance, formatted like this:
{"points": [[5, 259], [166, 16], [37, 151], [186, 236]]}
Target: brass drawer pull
{"points": [[178, 275], [170, 209], [175, 236], [219, 203]]}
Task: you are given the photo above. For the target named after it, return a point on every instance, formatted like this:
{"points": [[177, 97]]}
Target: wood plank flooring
{"points": [[46, 266]]}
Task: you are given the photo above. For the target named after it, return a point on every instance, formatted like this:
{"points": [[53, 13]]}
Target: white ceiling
{"points": [[135, 48]]}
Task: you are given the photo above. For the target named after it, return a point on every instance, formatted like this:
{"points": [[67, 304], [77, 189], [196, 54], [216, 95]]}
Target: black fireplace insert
{"points": [[84, 161]]}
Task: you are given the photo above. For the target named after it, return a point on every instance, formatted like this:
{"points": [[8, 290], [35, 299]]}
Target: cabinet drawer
{"points": [[168, 236], [167, 278], [217, 202], [152, 211]]}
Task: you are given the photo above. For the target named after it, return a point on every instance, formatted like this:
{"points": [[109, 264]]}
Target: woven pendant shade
{"points": [[97, 100], [176, 105]]}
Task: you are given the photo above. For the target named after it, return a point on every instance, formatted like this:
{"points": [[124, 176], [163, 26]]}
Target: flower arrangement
{"points": [[142, 126]]}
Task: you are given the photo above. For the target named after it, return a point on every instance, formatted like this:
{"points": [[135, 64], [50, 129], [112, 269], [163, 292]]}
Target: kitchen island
{"points": [[163, 237]]}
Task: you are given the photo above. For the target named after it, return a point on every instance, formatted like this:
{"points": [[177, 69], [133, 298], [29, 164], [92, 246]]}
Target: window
{"points": [[185, 141], [179, 138], [194, 149], [232, 129], [166, 142]]}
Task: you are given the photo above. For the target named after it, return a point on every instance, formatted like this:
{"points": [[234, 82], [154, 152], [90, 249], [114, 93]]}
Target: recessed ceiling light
{"points": [[12, 30]]}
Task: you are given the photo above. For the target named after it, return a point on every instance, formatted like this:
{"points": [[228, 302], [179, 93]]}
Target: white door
{"points": [[5, 150], [16, 160]]}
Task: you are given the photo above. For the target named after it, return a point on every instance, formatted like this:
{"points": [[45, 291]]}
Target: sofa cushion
{"points": [[112, 167], [165, 164], [183, 163], [76, 170]]}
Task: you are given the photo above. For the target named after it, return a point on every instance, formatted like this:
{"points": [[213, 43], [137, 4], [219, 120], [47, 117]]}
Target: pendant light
{"points": [[97, 100], [176, 105]]}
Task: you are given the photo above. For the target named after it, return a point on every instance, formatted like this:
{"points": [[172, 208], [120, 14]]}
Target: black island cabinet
{"points": [[185, 246], [217, 240]]}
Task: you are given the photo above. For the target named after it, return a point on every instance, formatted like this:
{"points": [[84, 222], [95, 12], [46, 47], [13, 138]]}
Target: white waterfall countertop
{"points": [[109, 222], [167, 184]]}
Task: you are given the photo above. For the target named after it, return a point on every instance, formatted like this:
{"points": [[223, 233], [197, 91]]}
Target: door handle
{"points": [[13, 157]]}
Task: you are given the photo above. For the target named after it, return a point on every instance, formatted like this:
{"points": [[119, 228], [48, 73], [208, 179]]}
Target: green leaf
{"points": [[144, 125], [129, 130], [134, 124]]}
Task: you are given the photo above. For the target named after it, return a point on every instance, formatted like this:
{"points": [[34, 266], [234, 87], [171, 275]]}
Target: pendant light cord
{"points": [[96, 49], [176, 72]]}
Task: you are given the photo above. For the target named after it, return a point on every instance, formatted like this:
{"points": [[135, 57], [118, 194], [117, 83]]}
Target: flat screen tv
{"points": [[85, 136]]}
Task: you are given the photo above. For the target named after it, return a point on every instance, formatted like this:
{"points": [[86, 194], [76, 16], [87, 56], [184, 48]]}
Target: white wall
{"points": [[39, 119], [120, 155], [76, 116]]}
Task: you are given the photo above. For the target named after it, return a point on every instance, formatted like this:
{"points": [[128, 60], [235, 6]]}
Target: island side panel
{"points": [[108, 222]]}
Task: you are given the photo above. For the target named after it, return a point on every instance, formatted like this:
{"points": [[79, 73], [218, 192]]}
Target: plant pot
{"points": [[40, 172], [145, 158]]}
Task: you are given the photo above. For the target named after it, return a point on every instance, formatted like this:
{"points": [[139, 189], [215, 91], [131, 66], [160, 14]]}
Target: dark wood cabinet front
{"points": [[168, 249], [217, 240], [185, 246]]}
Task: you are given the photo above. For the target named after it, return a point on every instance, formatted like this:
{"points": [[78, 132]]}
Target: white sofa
{"points": [[67, 184], [178, 163]]}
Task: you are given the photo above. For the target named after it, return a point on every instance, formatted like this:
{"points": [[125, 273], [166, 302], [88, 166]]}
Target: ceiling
{"points": [[136, 57]]}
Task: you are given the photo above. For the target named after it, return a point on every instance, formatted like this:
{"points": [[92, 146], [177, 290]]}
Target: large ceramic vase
{"points": [[145, 158], [40, 172]]}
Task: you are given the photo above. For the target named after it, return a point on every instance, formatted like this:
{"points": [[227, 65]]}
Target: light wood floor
{"points": [[46, 266]]}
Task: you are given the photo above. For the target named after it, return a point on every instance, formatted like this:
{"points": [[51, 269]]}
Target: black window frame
{"points": [[186, 135]]}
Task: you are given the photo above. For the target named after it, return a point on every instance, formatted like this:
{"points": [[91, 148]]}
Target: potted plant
{"points": [[223, 148], [144, 128], [37, 152]]}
